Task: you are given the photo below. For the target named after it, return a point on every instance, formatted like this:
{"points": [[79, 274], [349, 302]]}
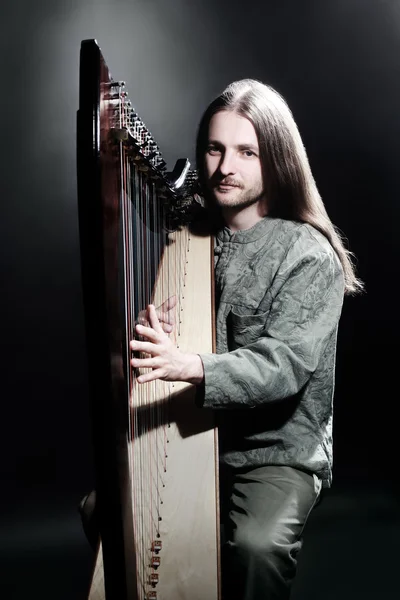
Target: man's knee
{"points": [[266, 545]]}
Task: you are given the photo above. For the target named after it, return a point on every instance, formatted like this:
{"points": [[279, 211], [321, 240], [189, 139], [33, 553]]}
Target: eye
{"points": [[213, 150], [249, 153]]}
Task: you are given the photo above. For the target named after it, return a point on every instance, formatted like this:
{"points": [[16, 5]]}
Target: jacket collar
{"points": [[245, 236]]}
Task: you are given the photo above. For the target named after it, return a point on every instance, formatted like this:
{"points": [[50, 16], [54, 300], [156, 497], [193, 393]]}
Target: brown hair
{"points": [[289, 184]]}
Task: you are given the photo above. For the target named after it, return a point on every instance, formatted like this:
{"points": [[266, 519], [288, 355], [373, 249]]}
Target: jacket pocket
{"points": [[244, 329]]}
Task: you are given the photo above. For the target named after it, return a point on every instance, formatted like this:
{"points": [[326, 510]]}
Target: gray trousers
{"points": [[264, 512]]}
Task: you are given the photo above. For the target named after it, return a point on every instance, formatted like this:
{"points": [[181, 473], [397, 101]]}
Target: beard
{"points": [[238, 198]]}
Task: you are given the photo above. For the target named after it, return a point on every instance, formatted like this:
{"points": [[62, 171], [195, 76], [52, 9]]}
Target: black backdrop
{"points": [[336, 62]]}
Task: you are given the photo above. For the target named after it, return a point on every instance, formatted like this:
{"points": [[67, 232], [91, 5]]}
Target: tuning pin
{"points": [[162, 164], [144, 144]]}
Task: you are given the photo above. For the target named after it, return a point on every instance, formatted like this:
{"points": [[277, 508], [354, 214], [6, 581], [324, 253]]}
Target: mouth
{"points": [[225, 188]]}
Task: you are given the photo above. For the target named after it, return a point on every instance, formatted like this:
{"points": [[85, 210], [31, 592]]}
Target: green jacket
{"points": [[279, 295]]}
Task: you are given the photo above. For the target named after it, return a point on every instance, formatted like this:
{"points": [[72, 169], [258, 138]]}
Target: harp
{"points": [[155, 453]]}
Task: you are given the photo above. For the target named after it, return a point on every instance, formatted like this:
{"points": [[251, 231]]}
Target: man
{"points": [[281, 273]]}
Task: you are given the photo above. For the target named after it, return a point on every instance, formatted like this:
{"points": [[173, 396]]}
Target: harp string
{"points": [[144, 243]]}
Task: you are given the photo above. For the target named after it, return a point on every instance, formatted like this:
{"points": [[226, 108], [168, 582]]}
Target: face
{"points": [[232, 162]]}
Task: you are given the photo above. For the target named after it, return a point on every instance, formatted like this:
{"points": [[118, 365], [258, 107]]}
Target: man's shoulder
{"points": [[302, 237]]}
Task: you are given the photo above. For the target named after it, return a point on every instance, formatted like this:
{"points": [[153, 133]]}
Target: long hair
{"points": [[290, 187]]}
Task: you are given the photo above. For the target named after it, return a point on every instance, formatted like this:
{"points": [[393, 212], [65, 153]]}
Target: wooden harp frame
{"points": [[190, 561]]}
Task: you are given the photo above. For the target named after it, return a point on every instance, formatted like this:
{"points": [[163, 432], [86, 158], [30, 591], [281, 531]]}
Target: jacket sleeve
{"points": [[303, 317]]}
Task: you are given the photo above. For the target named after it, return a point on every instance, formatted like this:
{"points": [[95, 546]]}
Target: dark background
{"points": [[337, 64]]}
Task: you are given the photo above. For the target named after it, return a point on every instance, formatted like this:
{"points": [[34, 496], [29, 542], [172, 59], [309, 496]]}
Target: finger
{"points": [[165, 317], [148, 333], [146, 347], [157, 374], [167, 328], [142, 317], [168, 305], [154, 322], [145, 363]]}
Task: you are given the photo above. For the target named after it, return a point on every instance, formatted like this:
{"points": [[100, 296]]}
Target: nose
{"points": [[227, 164]]}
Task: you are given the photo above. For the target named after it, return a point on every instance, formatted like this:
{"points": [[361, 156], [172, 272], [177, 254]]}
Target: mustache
{"points": [[227, 181]]}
